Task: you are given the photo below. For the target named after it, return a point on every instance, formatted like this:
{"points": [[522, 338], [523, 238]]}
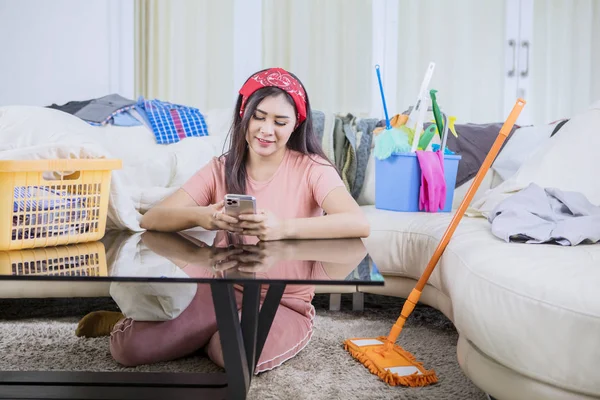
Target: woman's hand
{"points": [[221, 221], [262, 256], [264, 225], [224, 258]]}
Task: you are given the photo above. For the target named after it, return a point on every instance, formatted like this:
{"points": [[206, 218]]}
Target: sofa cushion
{"points": [[532, 308], [520, 147], [566, 161]]}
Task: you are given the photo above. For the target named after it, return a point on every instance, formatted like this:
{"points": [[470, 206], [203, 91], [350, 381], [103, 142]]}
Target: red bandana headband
{"points": [[280, 78]]}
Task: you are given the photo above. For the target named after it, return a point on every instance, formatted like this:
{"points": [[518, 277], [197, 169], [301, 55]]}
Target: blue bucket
{"points": [[398, 181]]}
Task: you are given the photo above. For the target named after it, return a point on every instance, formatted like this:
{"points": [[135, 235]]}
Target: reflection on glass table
{"points": [[198, 257], [244, 302]]}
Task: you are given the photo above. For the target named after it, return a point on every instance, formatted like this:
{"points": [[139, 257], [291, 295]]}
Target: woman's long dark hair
{"points": [[303, 139]]}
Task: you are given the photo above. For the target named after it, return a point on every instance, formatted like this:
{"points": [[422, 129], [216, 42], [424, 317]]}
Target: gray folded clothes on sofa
{"points": [[348, 145], [473, 143], [97, 111], [536, 215]]}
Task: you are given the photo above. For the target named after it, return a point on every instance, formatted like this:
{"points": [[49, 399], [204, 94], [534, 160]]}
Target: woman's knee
{"points": [[125, 349], [127, 354]]}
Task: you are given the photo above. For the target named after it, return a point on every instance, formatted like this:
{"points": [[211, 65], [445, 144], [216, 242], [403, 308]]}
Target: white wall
{"points": [[61, 50]]}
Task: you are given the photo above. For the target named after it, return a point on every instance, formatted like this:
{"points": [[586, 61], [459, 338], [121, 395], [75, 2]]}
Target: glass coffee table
{"points": [[147, 269]]}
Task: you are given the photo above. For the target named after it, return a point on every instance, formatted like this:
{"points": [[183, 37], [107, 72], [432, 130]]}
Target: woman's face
{"points": [[271, 126]]}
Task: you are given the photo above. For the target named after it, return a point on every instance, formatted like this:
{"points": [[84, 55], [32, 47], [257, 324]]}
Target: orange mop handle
{"points": [[414, 296]]}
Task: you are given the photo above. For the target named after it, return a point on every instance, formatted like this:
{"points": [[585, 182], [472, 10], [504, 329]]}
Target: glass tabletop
{"points": [[195, 256]]}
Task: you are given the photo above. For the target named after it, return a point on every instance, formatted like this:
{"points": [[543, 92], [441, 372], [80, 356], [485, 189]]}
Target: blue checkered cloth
{"points": [[172, 122]]}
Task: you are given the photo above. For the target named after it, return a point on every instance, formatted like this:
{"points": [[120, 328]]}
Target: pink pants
{"points": [[135, 343]]}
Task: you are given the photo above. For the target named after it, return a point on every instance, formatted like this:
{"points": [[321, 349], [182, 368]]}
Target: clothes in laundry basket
{"points": [[43, 212], [536, 215]]}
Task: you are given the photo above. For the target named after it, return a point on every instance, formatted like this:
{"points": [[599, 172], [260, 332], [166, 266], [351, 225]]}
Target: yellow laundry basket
{"points": [[53, 202], [84, 259]]}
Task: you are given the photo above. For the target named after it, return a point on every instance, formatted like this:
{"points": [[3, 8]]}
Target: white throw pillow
{"points": [[520, 147], [218, 120], [567, 161]]}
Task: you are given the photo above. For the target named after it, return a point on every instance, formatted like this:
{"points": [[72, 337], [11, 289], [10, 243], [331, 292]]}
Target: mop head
{"points": [[390, 362], [391, 141]]}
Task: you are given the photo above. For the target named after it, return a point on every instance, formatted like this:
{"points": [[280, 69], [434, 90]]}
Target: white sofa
{"points": [[528, 315]]}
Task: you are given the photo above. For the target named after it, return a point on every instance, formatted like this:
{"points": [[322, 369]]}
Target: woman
{"points": [[275, 156]]}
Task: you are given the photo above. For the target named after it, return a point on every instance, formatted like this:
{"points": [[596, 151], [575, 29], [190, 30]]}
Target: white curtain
{"points": [[565, 58], [465, 39], [327, 44], [184, 52]]}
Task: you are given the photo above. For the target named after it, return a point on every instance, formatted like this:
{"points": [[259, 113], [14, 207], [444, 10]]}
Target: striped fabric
{"points": [[173, 122], [32, 198]]}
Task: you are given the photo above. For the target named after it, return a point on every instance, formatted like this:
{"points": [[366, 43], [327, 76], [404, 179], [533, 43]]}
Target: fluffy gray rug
{"points": [[39, 335]]}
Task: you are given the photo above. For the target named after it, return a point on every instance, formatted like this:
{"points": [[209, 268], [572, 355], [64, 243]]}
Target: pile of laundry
{"points": [[546, 215], [169, 122], [42, 212], [347, 142]]}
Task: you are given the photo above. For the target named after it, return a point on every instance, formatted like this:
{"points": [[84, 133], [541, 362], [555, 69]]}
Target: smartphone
{"points": [[236, 204]]}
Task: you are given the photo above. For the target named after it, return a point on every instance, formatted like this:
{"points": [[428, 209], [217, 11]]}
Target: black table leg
{"points": [[267, 315], [242, 344], [250, 310], [232, 343]]}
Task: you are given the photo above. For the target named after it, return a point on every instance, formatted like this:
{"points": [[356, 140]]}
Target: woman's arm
{"points": [[182, 251], [176, 248], [344, 219], [175, 213], [180, 212], [339, 257], [336, 251]]}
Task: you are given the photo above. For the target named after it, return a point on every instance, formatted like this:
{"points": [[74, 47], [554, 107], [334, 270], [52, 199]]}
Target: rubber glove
{"points": [[432, 195]]}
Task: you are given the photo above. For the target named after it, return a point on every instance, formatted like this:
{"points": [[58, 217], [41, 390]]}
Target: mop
{"points": [[392, 140], [381, 355]]}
